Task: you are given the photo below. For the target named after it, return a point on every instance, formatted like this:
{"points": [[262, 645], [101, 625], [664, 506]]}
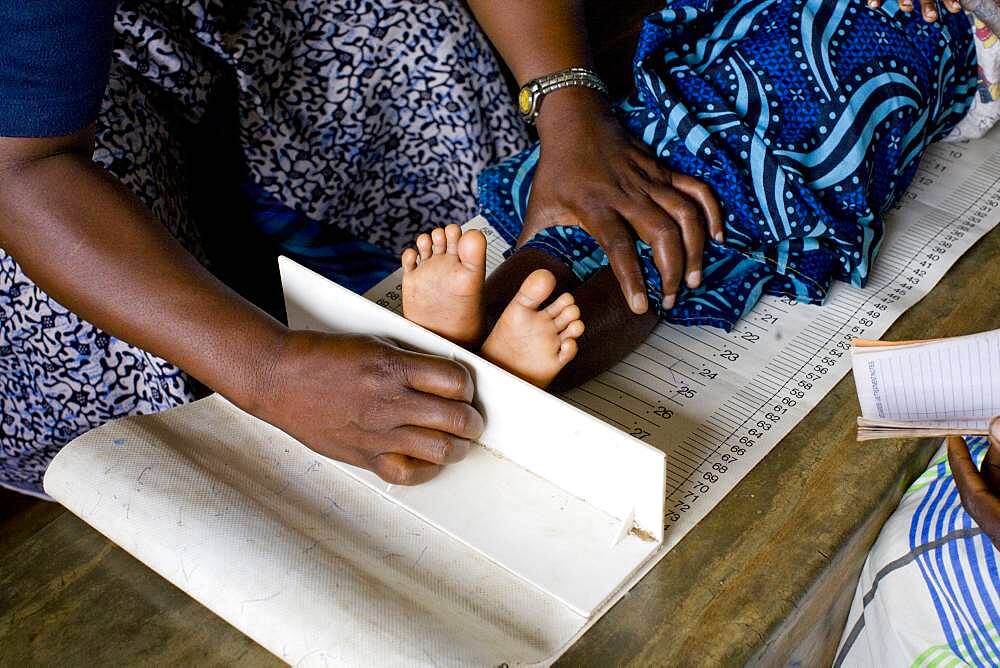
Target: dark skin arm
{"points": [[591, 172], [979, 489], [94, 247]]}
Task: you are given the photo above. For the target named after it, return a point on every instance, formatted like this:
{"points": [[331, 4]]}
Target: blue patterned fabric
{"points": [[808, 119], [355, 264], [361, 124]]}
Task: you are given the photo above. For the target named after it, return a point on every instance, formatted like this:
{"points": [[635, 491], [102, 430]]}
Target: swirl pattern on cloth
{"points": [[808, 118]]}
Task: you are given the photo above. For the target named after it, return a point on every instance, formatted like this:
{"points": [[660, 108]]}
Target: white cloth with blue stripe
{"points": [[929, 593]]}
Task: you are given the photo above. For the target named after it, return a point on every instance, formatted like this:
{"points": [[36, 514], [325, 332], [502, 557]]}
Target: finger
{"points": [[692, 229], [991, 463], [399, 469], [702, 194], [929, 9], [906, 5], [964, 470], [696, 190], [457, 418], [612, 234], [874, 4], [427, 445], [977, 500], [436, 375], [664, 238], [954, 6]]}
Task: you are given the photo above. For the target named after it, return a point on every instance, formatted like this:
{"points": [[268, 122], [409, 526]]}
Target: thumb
{"points": [[967, 477], [977, 500]]}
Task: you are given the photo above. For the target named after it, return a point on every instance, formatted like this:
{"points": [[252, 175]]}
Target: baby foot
{"points": [[443, 283], [531, 343]]}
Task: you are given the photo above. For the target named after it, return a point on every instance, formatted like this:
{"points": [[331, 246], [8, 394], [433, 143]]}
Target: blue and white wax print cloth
{"points": [[808, 118], [929, 592]]}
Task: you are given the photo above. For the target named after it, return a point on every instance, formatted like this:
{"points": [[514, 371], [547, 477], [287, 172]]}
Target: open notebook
{"points": [[927, 388], [504, 557]]}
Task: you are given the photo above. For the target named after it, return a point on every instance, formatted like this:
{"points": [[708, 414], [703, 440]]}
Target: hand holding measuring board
{"points": [[319, 564]]}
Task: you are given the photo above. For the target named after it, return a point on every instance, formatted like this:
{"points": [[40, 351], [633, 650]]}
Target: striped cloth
{"points": [[929, 593]]}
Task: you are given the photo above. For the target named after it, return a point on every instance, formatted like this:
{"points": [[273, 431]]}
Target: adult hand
{"points": [[979, 489], [594, 175], [928, 8], [364, 401]]}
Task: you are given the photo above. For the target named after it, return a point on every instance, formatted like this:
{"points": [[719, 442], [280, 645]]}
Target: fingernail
{"points": [[694, 279], [931, 15], [872, 4], [639, 304], [668, 301], [459, 452], [995, 428], [720, 237]]}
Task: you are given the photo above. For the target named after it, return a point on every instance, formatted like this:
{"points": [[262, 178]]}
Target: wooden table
{"points": [[766, 578]]}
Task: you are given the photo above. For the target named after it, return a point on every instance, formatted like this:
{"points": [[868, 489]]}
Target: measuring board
{"points": [[718, 402]]}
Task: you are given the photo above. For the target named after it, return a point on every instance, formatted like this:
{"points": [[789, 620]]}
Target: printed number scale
{"points": [[718, 402]]}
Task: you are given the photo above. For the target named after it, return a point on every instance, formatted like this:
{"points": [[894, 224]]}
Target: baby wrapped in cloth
{"points": [[808, 119]]}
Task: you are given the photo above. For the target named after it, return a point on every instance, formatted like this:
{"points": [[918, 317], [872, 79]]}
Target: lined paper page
{"points": [[950, 383]]}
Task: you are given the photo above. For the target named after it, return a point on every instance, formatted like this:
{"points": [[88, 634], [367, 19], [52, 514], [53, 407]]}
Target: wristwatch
{"points": [[529, 100]]}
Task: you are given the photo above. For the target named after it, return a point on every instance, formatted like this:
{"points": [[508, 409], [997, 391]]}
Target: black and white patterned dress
{"points": [[371, 118]]}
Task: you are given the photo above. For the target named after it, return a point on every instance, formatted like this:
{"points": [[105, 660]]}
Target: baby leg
{"points": [[613, 330]]}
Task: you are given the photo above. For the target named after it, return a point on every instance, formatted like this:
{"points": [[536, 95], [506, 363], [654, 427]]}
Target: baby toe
{"points": [[409, 260], [452, 234], [567, 351], [424, 246], [536, 288], [559, 305], [573, 330], [439, 242], [566, 316]]}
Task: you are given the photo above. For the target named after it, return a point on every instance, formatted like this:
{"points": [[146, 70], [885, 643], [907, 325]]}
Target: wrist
{"points": [[252, 377], [572, 108]]}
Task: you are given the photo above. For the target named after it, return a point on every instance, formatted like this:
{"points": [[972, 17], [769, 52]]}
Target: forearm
{"points": [[91, 244], [536, 37], [539, 37]]}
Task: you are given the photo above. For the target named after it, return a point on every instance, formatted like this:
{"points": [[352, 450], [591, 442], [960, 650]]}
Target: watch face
{"points": [[524, 100]]}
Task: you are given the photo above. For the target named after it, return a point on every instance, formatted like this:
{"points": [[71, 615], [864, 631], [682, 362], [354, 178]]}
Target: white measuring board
{"points": [[718, 402]]}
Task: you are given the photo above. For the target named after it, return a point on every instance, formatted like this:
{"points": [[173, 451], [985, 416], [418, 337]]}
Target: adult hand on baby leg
{"points": [[364, 401], [593, 174], [979, 489], [928, 8]]}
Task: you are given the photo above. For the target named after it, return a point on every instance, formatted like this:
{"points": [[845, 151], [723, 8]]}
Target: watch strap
{"points": [[533, 93]]}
